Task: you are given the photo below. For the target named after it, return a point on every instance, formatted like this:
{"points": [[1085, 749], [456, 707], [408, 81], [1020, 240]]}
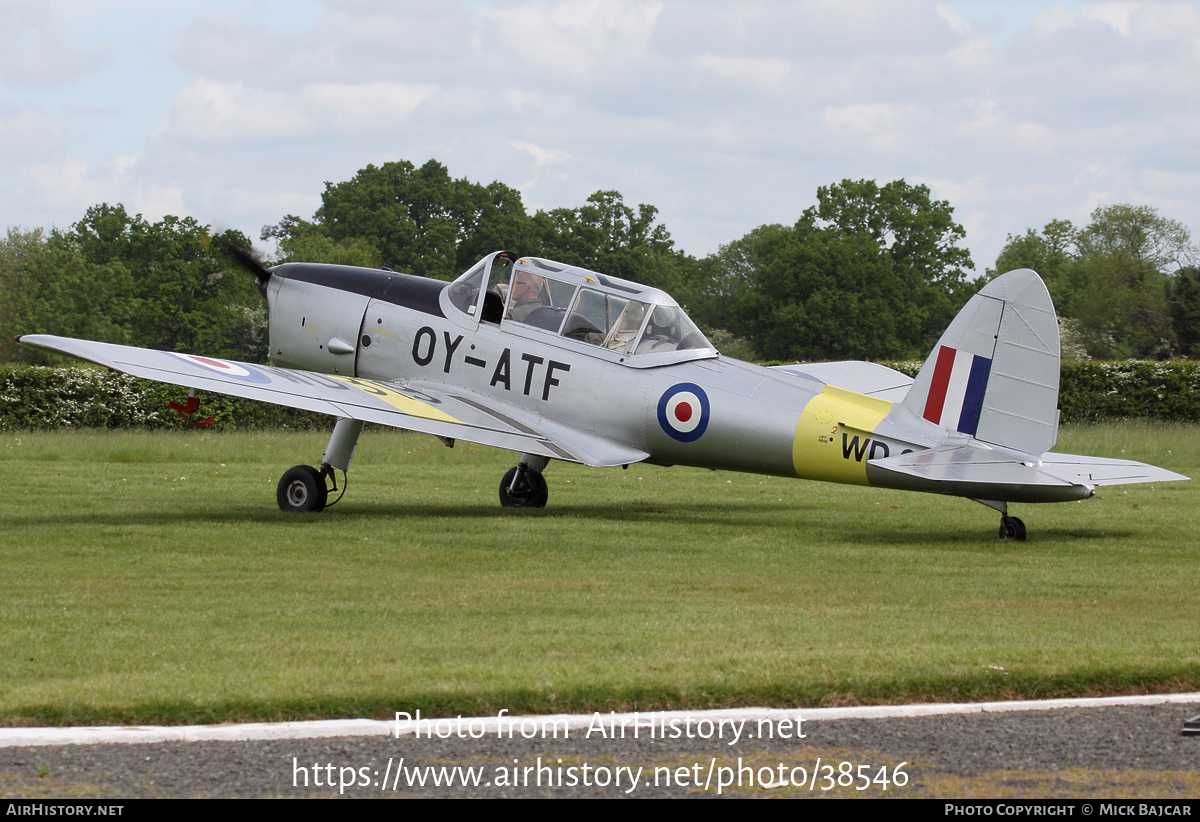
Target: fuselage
{"points": [[703, 409]]}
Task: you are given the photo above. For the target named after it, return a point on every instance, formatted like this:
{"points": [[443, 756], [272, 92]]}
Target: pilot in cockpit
{"points": [[527, 294]]}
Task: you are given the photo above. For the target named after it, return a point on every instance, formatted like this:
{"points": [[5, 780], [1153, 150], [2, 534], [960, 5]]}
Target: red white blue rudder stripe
{"points": [[956, 392]]}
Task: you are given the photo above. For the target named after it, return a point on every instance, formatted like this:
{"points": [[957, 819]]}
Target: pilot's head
{"points": [[527, 286]]}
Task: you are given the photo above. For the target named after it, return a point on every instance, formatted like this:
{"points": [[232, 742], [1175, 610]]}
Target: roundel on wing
{"points": [[229, 369], [683, 412]]}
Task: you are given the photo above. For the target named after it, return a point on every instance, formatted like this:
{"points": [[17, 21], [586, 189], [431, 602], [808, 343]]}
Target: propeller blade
{"points": [[243, 258], [262, 274]]}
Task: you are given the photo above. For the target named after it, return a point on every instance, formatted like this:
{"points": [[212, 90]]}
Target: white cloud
{"points": [[154, 201], [885, 125], [1056, 19], [767, 72], [977, 51], [122, 165], [542, 156], [221, 112], [67, 183], [1035, 137], [32, 54], [1177, 21], [362, 104], [520, 98], [1114, 15], [28, 134], [575, 36], [956, 21], [599, 19]]}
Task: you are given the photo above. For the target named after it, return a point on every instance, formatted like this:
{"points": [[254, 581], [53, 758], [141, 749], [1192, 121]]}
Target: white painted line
{"points": [[512, 725]]}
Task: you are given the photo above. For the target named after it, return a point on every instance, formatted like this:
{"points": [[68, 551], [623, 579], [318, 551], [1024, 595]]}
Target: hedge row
{"points": [[33, 397], [81, 396], [1094, 390]]}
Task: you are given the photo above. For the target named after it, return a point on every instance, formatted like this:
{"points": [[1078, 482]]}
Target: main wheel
{"points": [[301, 490], [531, 490], [1012, 528]]}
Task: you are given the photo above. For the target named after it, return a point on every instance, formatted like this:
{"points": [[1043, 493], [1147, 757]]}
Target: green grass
{"points": [[151, 578]]}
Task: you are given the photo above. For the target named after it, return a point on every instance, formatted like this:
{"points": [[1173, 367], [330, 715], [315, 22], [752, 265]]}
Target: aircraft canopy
{"points": [[634, 321]]}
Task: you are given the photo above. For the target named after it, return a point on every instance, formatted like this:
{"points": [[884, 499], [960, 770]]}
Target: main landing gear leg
{"points": [[304, 489], [1011, 528], [523, 485]]}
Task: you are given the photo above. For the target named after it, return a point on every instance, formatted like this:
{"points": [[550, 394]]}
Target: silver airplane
{"points": [[558, 362]]}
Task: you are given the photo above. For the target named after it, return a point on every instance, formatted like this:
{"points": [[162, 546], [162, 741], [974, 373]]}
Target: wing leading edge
{"points": [[427, 409]]}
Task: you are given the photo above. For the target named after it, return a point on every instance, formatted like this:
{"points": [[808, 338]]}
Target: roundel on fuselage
{"points": [[683, 412]]}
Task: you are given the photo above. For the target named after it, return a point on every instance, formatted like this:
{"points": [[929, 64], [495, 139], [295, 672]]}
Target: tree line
{"points": [[869, 272]]}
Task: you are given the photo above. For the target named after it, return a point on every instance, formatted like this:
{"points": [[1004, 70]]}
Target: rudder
{"points": [[994, 373]]}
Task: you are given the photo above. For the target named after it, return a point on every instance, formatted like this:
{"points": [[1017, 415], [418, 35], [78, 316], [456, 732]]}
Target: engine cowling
{"points": [[317, 313]]}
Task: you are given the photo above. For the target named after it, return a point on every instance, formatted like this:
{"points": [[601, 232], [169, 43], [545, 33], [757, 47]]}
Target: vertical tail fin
{"points": [[994, 374]]}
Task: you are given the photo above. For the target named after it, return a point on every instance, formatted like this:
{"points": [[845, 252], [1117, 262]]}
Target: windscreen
{"points": [[669, 329]]}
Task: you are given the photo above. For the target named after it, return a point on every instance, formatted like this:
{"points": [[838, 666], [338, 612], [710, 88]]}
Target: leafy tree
{"points": [[304, 242], [1113, 278], [869, 272], [177, 285], [1185, 311], [20, 278], [50, 288], [422, 221], [608, 236], [1053, 254], [820, 294], [425, 222], [1138, 232], [717, 285], [917, 233], [490, 218]]}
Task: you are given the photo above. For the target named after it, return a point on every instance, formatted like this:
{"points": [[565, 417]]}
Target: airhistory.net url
{"points": [[627, 779]]}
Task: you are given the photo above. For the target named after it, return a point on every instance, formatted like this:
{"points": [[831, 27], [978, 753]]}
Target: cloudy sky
{"points": [[725, 116]]}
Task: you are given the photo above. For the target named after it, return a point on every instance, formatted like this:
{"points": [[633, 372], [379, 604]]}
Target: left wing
{"points": [[428, 409]]}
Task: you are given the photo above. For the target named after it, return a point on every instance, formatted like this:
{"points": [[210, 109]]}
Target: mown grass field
{"points": [[151, 578]]}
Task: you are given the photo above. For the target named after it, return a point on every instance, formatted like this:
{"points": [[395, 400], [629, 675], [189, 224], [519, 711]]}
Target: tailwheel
{"points": [[1012, 528], [523, 487], [301, 490]]}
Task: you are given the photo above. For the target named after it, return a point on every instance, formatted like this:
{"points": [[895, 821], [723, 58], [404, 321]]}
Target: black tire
{"points": [[302, 490], [1012, 528], [531, 490]]}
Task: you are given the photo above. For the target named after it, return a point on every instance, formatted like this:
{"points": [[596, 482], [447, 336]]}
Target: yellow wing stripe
{"points": [[401, 402]]}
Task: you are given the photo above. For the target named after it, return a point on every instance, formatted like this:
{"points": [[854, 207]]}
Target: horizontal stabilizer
{"points": [[1101, 471], [971, 469]]}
